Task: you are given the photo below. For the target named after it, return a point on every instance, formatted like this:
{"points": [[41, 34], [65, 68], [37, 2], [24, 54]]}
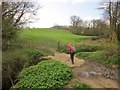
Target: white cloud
{"points": [[89, 18], [59, 12], [48, 19], [14, 0], [79, 1], [65, 1], [49, 1]]}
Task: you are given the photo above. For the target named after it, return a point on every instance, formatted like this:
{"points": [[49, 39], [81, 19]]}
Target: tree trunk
{"points": [[114, 36]]}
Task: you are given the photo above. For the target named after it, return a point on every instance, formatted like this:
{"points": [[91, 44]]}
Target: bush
{"points": [[83, 48], [12, 64], [63, 48], [95, 38], [81, 86], [46, 52], [45, 75], [14, 61], [33, 56]]}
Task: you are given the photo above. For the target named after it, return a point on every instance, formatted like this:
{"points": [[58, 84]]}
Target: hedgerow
{"points": [[45, 75], [81, 48]]}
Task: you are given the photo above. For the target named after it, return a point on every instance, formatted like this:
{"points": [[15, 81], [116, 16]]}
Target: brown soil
{"points": [[65, 58], [90, 73]]}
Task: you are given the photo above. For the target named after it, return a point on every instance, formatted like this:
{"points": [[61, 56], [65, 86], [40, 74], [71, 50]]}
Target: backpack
{"points": [[73, 49]]}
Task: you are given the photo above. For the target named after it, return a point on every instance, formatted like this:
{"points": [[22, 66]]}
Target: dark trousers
{"points": [[72, 57]]}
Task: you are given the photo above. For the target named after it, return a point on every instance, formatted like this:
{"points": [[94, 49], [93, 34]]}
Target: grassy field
{"points": [[49, 37], [46, 37], [51, 34]]}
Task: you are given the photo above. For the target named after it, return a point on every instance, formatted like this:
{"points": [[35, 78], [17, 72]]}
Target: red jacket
{"points": [[69, 48]]}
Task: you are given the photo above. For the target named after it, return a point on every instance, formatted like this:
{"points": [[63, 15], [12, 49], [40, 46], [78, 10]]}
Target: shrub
{"points": [[63, 48], [84, 48], [81, 86], [46, 52], [12, 63], [33, 56], [81, 48], [95, 38], [45, 75]]}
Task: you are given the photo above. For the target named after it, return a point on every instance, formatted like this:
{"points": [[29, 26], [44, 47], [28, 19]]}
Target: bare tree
{"points": [[75, 21], [14, 16], [101, 27], [76, 24], [112, 12]]}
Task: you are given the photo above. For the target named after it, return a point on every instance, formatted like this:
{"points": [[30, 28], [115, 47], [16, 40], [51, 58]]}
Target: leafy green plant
{"points": [[45, 75], [81, 86]]}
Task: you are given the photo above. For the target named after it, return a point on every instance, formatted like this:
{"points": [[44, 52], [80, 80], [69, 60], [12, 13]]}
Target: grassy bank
{"points": [[100, 57]]}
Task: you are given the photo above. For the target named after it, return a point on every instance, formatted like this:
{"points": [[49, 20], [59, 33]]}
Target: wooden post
{"points": [[30, 44], [58, 44]]}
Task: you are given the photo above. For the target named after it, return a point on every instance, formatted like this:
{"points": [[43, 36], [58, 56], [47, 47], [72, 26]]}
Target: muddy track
{"points": [[91, 73]]}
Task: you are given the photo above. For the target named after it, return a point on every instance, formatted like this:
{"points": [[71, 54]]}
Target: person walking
{"points": [[71, 50]]}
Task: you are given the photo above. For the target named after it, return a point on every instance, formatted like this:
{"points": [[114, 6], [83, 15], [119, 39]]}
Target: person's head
{"points": [[69, 44]]}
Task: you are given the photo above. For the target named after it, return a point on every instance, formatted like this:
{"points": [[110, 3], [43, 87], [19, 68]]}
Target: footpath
{"points": [[91, 73]]}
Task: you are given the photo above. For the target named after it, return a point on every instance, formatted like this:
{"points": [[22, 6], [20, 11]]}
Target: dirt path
{"points": [[91, 73], [66, 60]]}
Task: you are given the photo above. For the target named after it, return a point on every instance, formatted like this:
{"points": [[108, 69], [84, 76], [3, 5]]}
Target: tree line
{"points": [[111, 14], [95, 27]]}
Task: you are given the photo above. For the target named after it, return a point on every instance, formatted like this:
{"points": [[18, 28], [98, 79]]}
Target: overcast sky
{"points": [[59, 12]]}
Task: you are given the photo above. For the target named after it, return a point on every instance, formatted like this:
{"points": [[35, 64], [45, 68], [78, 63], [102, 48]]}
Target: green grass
{"points": [[45, 75], [104, 43], [100, 57], [50, 37], [51, 34], [81, 86]]}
